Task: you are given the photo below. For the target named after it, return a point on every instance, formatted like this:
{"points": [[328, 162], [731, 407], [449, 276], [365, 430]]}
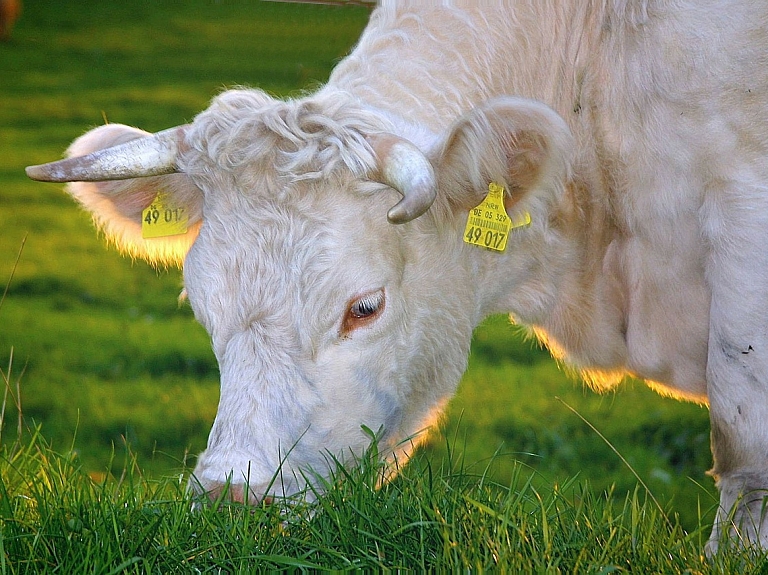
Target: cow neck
{"points": [[578, 310]]}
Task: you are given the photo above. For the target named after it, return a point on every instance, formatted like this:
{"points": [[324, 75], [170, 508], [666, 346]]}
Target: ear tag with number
{"points": [[488, 224], [163, 218]]}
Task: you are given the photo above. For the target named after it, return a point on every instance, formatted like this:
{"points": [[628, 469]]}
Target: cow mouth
{"points": [[206, 492], [227, 493]]}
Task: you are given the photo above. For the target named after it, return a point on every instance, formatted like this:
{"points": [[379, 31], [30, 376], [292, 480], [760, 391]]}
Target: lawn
{"points": [[106, 357]]}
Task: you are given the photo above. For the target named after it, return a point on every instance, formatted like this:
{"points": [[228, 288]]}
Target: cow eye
{"points": [[362, 310]]}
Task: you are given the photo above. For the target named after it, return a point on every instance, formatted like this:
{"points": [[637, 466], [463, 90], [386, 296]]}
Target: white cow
{"points": [[633, 133]]}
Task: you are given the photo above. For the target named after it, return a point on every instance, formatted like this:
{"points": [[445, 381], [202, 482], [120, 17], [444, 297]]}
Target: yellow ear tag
{"points": [[163, 218], [488, 224]]}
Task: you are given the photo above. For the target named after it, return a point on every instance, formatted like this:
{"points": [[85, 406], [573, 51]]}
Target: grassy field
{"points": [[55, 518], [105, 356]]}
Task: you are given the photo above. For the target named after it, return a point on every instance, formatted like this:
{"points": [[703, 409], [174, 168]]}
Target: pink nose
{"points": [[232, 492]]}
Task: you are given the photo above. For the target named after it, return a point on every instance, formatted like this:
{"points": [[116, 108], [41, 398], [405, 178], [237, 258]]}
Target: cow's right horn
{"points": [[405, 168], [153, 155]]}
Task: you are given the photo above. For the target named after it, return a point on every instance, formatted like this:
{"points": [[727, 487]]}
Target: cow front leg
{"points": [[739, 418], [737, 367]]}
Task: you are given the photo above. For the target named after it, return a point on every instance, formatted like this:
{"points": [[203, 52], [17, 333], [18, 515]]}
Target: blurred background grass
{"points": [[109, 356]]}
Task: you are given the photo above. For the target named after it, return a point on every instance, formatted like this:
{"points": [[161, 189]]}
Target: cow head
{"points": [[325, 316]]}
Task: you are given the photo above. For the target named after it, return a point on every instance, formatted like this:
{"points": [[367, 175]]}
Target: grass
{"points": [[57, 518], [120, 382]]}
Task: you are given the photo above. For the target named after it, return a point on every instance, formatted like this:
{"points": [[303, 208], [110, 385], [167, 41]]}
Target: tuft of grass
{"points": [[55, 517]]}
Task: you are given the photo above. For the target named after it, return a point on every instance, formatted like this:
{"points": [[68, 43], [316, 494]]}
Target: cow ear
{"points": [[520, 144], [117, 205]]}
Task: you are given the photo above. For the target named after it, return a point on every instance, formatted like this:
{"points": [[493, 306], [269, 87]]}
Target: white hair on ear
{"points": [[117, 206]]}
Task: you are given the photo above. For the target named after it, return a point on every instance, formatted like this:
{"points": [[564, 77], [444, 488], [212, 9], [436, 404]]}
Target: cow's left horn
{"points": [[405, 168], [153, 155]]}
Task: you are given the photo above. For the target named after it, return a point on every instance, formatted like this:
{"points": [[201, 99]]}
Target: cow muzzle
{"points": [[213, 492]]}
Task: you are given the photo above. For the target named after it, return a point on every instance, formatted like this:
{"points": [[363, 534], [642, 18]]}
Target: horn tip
{"points": [[405, 211], [397, 215], [39, 173]]}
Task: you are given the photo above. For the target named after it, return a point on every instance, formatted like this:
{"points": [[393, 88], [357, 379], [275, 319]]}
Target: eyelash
{"points": [[367, 305], [362, 310]]}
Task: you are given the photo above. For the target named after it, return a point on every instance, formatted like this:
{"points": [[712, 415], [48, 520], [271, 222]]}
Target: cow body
{"points": [[634, 133]]}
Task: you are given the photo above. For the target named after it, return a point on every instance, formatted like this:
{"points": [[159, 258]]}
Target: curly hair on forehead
{"points": [[306, 139]]}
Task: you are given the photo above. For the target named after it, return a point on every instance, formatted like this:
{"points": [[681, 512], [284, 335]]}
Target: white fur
{"points": [[637, 140]]}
